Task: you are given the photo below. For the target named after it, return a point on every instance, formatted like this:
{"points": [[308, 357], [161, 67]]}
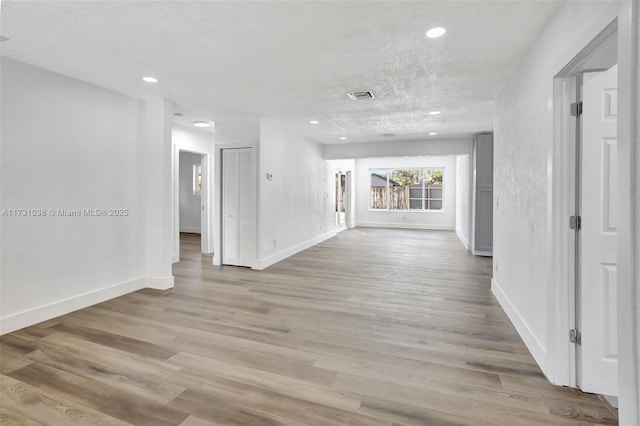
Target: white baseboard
{"points": [[482, 252], [612, 400], [190, 230], [406, 226], [52, 310], [157, 283], [464, 241], [536, 348], [281, 255]]}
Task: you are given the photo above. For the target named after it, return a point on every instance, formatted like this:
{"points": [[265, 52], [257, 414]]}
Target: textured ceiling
{"points": [[293, 61]]}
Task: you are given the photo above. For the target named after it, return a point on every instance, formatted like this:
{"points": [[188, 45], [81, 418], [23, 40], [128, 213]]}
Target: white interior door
{"points": [[599, 199], [238, 208]]}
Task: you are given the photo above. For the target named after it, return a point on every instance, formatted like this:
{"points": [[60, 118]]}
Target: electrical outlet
{"points": [[495, 266]]}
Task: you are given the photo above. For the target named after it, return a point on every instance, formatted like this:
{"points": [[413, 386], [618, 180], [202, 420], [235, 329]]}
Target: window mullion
{"points": [[423, 184], [388, 190]]}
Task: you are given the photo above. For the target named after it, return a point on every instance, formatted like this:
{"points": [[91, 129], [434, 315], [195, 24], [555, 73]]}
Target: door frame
{"points": [[348, 204], [562, 158], [206, 242], [338, 177], [218, 246], [568, 85]]}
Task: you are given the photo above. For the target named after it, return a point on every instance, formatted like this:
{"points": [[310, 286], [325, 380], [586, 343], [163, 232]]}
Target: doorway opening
{"points": [[191, 201], [586, 218], [341, 199]]}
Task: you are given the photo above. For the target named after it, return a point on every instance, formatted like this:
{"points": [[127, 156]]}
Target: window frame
{"points": [[424, 200], [197, 179]]}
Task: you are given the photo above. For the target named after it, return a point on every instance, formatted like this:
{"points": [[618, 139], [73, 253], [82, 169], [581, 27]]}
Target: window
{"points": [[406, 189], [197, 179]]}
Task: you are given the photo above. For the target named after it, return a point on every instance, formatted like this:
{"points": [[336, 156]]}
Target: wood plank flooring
{"points": [[372, 327]]}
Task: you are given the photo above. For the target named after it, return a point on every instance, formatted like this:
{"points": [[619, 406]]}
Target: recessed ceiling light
{"points": [[201, 124], [433, 133], [436, 32], [314, 121], [343, 137], [434, 113], [150, 79]]}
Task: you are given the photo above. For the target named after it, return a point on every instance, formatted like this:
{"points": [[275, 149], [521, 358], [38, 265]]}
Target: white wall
{"points": [[192, 139], [190, 206], [67, 144], [297, 207], [523, 148], [628, 216], [444, 219], [463, 205], [154, 171], [237, 130], [439, 146]]}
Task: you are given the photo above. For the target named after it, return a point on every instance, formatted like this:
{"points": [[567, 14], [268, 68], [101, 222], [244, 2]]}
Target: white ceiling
{"points": [[293, 61]]}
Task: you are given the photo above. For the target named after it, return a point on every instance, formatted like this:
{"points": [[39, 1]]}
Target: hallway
{"points": [[372, 327]]}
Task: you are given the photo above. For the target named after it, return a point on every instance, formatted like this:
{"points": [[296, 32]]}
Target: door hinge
{"points": [[575, 336], [576, 109], [575, 222]]}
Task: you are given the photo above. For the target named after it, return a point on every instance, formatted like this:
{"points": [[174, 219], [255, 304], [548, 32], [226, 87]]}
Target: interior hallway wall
{"points": [[297, 205], [66, 146], [431, 146], [523, 178]]}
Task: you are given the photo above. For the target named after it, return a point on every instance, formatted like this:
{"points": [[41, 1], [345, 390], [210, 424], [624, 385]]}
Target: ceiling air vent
{"points": [[388, 135], [361, 96]]}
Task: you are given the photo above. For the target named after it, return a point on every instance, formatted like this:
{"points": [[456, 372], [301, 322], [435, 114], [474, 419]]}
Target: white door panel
{"points": [[230, 239], [599, 197], [238, 207]]}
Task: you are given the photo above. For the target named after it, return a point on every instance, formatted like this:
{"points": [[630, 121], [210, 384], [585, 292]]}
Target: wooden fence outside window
{"points": [[407, 197]]}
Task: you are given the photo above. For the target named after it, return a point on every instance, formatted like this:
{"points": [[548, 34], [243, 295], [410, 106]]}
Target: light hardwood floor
{"points": [[372, 327]]}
